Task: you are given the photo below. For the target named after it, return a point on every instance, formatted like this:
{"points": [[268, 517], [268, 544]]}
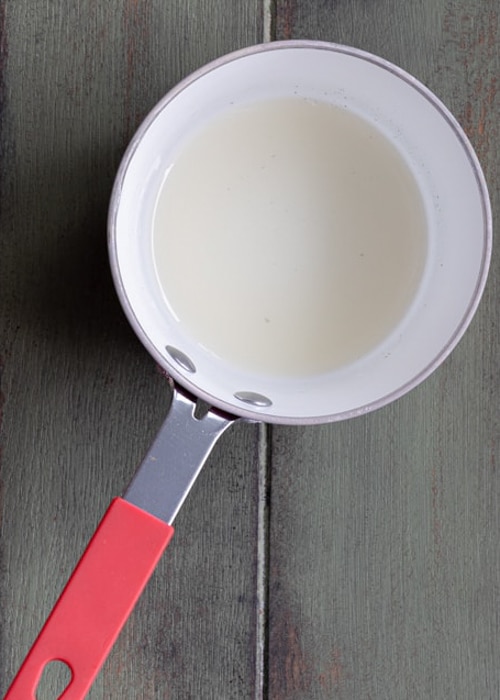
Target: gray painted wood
{"points": [[81, 398], [383, 561], [384, 555]]}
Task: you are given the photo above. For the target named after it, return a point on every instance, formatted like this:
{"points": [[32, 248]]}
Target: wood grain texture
{"points": [[384, 531], [383, 549], [81, 399]]}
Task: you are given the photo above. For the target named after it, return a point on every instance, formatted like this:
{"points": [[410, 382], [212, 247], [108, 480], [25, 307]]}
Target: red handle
{"points": [[96, 601]]}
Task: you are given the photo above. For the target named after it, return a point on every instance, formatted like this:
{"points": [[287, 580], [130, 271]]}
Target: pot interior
{"points": [[453, 195]]}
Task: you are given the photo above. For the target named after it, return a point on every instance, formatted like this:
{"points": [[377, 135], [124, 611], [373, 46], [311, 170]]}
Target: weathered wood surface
{"points": [[383, 559], [81, 398]]}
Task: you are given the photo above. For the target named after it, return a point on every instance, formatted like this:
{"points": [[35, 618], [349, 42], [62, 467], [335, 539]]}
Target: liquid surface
{"points": [[289, 237]]}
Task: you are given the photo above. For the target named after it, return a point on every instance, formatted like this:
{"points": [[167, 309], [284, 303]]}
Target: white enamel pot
{"points": [[136, 528]]}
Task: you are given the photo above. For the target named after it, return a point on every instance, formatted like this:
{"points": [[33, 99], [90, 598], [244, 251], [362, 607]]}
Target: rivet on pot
{"points": [[181, 358], [253, 398]]}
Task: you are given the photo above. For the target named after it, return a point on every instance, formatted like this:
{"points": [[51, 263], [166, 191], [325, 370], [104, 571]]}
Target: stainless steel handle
{"points": [[175, 458]]}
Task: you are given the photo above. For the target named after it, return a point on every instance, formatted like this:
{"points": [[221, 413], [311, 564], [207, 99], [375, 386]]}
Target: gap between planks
{"points": [[263, 489], [263, 545], [268, 16]]}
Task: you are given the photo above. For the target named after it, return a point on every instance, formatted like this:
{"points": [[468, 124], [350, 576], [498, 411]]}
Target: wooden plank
{"points": [[384, 530], [81, 399]]}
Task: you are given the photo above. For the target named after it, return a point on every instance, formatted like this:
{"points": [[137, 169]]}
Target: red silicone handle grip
{"points": [[96, 601]]}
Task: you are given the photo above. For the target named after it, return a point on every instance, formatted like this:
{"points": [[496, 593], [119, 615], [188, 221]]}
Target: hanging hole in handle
{"points": [[55, 679]]}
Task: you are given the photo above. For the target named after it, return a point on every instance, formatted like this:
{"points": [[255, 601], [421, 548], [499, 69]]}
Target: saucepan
{"points": [[299, 233]]}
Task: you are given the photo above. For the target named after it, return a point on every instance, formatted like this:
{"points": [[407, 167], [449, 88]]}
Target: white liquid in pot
{"points": [[289, 237]]}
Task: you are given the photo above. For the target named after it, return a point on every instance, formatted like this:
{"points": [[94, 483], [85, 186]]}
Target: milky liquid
{"points": [[289, 237]]}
